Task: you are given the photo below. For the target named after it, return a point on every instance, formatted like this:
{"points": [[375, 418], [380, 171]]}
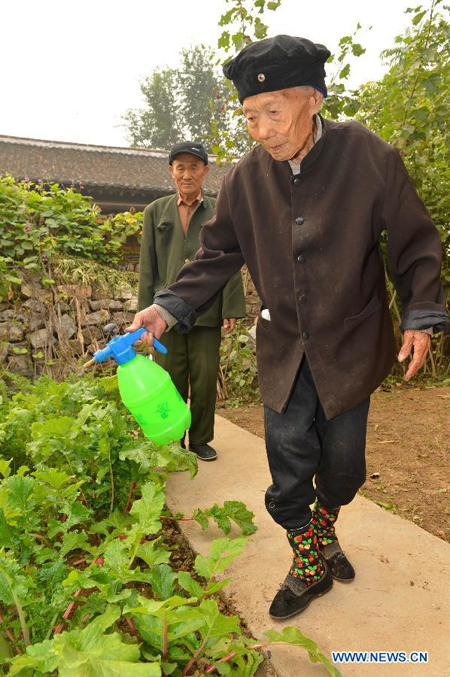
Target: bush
{"points": [[38, 221]]}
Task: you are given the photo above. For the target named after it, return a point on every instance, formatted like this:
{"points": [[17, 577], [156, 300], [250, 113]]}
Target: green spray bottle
{"points": [[147, 390]]}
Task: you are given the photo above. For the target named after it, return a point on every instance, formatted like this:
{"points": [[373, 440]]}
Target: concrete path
{"points": [[399, 600]]}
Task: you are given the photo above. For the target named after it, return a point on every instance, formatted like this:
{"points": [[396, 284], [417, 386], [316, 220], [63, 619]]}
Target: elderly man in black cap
{"points": [[305, 210], [170, 238]]}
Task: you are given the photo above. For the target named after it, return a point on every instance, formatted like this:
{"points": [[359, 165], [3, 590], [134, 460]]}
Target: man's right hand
{"points": [[151, 320]]}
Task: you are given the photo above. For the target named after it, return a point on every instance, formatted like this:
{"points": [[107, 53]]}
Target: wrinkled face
{"points": [[282, 121], [189, 173]]}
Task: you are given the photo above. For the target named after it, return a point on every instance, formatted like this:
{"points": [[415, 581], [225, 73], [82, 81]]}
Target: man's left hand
{"points": [[417, 342], [228, 325]]}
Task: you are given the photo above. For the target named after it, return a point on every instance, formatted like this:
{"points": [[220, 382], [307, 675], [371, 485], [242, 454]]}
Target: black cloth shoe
{"points": [[204, 452], [338, 564], [294, 595]]}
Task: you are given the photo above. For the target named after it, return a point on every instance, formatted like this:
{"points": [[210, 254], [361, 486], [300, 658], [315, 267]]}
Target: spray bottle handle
{"points": [[136, 335]]}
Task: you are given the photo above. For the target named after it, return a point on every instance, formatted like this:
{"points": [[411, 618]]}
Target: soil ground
{"points": [[408, 452]]}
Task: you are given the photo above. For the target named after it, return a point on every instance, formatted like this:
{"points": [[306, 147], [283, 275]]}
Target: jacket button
{"points": [[306, 335], [299, 220], [301, 258], [296, 181], [186, 260], [271, 504], [303, 298]]}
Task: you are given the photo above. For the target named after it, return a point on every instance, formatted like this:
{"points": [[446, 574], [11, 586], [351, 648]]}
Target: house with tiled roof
{"points": [[117, 179]]}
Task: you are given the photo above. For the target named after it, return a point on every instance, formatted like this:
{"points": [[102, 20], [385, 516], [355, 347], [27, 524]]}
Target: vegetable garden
{"points": [[86, 582]]}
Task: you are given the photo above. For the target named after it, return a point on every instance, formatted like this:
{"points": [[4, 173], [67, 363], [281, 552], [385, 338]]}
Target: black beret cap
{"points": [[190, 147], [278, 63]]}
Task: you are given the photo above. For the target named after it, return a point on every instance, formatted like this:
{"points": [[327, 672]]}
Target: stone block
{"points": [[131, 305], [123, 319], [66, 326], [11, 331], [125, 293], [62, 307], [3, 351], [110, 304], [41, 338], [35, 305], [75, 346], [36, 322], [101, 317], [35, 291], [13, 315], [75, 291], [20, 364], [91, 333]]}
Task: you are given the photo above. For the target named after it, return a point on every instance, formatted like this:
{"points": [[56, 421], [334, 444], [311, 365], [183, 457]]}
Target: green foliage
{"points": [[232, 510], [86, 587], [37, 222], [243, 23], [238, 364], [341, 101], [180, 103], [408, 108]]}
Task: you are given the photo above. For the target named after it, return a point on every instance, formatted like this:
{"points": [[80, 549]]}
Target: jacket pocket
{"points": [[164, 226], [373, 305]]}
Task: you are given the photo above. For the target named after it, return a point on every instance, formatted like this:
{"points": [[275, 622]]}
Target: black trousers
{"points": [[193, 359], [303, 446]]}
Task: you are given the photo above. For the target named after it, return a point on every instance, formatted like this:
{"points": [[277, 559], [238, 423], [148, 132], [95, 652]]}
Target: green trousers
{"points": [[194, 359]]}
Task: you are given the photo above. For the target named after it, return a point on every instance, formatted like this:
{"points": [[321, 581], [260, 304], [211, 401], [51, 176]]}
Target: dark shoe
{"points": [[338, 564], [294, 595], [204, 452]]}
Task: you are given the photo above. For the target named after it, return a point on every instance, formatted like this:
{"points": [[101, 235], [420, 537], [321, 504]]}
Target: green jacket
{"points": [[165, 249]]}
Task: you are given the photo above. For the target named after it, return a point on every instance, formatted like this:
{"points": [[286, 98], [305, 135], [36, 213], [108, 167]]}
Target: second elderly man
{"points": [[170, 238]]}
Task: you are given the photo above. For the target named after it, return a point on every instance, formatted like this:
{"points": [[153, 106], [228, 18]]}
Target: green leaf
{"points": [[55, 478], [344, 73], [20, 493], [239, 513], [162, 579], [418, 17], [5, 650], [6, 532], [191, 586], [199, 516], [148, 509], [152, 554], [116, 554], [72, 541], [357, 49], [158, 608], [295, 637], [217, 625], [5, 470], [222, 552], [92, 653]]}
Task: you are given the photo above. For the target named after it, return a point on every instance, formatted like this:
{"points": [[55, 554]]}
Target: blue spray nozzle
{"points": [[121, 347]]}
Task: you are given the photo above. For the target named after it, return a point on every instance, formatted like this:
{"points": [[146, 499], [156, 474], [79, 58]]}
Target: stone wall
{"points": [[55, 330]]}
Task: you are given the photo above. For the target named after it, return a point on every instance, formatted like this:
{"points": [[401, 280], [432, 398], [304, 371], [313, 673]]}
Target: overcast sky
{"points": [[70, 70]]}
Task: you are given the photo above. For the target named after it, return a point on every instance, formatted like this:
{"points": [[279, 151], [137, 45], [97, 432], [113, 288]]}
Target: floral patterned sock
{"points": [[323, 523], [307, 563]]}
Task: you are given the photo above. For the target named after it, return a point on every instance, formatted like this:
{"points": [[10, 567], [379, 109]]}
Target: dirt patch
{"points": [[408, 450]]}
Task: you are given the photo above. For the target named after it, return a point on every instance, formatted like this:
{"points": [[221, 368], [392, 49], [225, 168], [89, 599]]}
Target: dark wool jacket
{"points": [[311, 243]]}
